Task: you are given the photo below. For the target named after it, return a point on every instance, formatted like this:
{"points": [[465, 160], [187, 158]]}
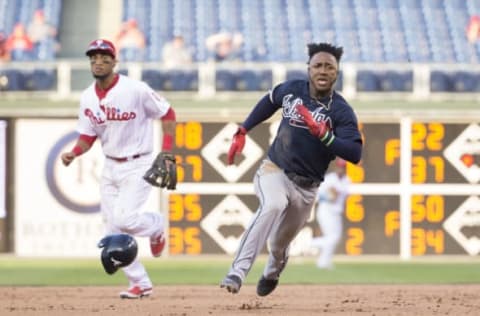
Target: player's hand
{"points": [[317, 129], [238, 142], [68, 157]]}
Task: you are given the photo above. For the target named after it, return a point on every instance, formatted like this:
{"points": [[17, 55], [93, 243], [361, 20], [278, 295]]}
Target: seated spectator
{"points": [[4, 54], [42, 34], [473, 29], [19, 45], [174, 53], [225, 46], [130, 41]]}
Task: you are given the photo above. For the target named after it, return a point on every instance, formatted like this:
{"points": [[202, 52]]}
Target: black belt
{"points": [[125, 159], [302, 181]]}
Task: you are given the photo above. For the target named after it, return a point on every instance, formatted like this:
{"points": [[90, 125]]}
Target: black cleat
{"points": [[232, 283], [265, 286]]}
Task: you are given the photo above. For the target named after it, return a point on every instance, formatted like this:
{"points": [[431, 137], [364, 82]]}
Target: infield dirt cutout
{"points": [[211, 300]]}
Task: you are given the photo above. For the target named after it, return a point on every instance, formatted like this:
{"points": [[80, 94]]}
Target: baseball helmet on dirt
{"points": [[119, 250]]}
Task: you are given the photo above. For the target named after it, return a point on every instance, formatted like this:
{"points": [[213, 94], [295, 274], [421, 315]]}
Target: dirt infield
{"points": [[211, 300]]}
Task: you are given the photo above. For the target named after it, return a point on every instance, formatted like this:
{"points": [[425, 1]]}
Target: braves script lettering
{"points": [[290, 111]]}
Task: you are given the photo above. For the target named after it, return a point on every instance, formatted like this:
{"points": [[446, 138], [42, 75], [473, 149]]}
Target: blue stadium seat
{"points": [[440, 82], [399, 81], [40, 80], [367, 81], [225, 80], [464, 81], [171, 80], [296, 74], [12, 80], [152, 78], [252, 80], [180, 80]]}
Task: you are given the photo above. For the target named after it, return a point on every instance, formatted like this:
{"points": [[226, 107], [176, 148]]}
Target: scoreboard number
{"points": [[442, 170]]}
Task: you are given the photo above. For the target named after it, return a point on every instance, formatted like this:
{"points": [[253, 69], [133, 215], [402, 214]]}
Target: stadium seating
{"points": [[12, 80], [376, 31], [172, 80], [13, 12], [243, 80], [386, 31], [440, 82], [371, 31], [367, 81]]}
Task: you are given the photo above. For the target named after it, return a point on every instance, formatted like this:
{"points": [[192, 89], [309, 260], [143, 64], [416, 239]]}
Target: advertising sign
{"points": [[57, 208]]}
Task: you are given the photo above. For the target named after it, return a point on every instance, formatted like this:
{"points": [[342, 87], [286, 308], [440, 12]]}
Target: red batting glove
{"points": [[317, 129], [238, 143]]}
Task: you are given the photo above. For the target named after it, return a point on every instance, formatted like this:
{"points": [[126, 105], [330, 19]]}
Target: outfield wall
{"points": [[415, 193]]}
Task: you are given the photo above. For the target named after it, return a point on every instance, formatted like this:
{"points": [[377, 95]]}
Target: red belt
{"points": [[125, 159]]}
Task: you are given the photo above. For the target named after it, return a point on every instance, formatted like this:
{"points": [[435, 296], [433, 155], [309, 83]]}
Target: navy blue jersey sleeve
{"points": [[263, 110], [348, 141], [347, 149]]}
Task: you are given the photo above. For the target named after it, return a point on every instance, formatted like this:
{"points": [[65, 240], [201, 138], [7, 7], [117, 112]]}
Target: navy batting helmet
{"points": [[119, 250]]}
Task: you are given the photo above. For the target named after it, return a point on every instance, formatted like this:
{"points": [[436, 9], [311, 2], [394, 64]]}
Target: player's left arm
{"points": [[347, 143], [169, 122], [163, 172], [344, 140], [348, 149]]}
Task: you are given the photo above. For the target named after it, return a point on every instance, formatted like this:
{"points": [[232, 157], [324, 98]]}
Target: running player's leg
{"points": [[135, 272], [286, 227], [271, 192], [130, 216]]}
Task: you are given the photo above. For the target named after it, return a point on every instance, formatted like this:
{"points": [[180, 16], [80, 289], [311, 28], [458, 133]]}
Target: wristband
{"points": [[167, 143], [77, 150], [242, 130], [328, 138]]}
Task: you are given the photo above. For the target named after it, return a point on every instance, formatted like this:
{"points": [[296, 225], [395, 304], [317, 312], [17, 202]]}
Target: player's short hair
{"points": [[314, 48]]}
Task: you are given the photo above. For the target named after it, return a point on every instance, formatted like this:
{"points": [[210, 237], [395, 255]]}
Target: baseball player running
{"points": [[330, 205], [317, 125], [120, 111]]}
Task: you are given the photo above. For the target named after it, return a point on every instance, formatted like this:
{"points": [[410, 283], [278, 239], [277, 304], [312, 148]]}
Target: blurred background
{"points": [[415, 48], [410, 69]]}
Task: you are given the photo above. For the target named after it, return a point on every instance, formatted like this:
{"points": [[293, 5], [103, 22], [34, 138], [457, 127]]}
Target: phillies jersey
{"points": [[294, 149], [119, 116]]}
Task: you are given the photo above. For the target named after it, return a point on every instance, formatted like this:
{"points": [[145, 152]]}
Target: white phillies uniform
{"points": [[122, 119], [331, 202]]}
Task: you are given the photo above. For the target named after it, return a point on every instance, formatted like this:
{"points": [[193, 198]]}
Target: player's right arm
{"points": [[84, 143], [262, 111]]}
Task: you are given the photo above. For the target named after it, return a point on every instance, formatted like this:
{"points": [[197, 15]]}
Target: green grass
{"points": [[88, 272]]}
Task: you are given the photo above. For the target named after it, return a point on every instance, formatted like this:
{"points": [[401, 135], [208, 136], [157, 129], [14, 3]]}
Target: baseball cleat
{"points": [[265, 286], [136, 292], [157, 244], [232, 283]]}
